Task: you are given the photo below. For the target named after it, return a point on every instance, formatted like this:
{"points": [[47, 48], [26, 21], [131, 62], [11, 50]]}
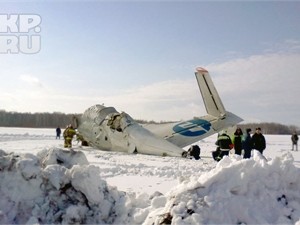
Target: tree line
{"points": [[52, 120], [271, 128], [34, 120]]}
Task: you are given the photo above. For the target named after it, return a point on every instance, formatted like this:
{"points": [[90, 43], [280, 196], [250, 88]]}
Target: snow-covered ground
{"points": [[43, 183]]}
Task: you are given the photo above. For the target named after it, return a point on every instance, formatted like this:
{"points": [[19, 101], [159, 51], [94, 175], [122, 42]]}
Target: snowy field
{"points": [[43, 183]]}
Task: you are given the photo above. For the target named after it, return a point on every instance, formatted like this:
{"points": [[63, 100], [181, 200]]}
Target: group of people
{"points": [[239, 142]]}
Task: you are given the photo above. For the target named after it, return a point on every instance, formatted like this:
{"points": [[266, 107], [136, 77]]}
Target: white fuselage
{"points": [[105, 128]]}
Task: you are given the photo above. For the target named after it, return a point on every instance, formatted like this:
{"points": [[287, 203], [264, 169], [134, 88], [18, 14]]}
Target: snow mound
{"points": [[56, 187], [66, 158], [237, 191], [60, 187]]}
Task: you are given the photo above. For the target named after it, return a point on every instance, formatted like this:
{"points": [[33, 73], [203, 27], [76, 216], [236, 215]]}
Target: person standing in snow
{"points": [[58, 132], [295, 141], [224, 144], [237, 141], [247, 144], [258, 140], [68, 136]]}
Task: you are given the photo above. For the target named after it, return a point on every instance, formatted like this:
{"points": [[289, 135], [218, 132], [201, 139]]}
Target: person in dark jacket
{"points": [[224, 144], [295, 141], [237, 141], [194, 151], [247, 144], [258, 141], [58, 132]]}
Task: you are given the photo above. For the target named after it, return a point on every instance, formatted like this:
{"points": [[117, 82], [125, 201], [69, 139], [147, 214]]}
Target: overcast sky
{"points": [[140, 57]]}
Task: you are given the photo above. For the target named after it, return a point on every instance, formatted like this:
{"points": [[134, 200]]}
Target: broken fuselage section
{"points": [[106, 129]]}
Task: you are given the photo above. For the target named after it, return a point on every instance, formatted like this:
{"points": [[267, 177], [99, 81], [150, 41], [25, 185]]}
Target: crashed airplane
{"points": [[107, 129]]}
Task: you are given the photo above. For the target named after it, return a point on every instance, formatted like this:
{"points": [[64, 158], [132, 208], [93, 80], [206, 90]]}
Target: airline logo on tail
{"points": [[217, 117], [192, 128]]}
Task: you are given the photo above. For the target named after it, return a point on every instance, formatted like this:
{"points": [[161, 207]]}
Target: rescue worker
{"points": [[224, 144], [68, 134], [258, 141], [237, 141], [247, 144], [295, 141]]}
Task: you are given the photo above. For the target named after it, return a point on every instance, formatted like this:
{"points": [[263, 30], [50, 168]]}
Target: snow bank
{"points": [[58, 187], [237, 191]]}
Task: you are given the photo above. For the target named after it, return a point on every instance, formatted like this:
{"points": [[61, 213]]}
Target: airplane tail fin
{"points": [[211, 98]]}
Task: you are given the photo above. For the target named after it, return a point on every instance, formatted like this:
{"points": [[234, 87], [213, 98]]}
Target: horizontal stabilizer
{"points": [[211, 98]]}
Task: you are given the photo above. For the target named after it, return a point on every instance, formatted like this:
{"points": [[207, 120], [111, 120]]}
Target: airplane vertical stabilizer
{"points": [[211, 98]]}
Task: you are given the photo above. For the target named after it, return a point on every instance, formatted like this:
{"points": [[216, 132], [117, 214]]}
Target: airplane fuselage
{"points": [[106, 129]]}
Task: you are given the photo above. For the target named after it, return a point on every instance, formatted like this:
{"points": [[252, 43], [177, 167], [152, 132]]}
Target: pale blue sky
{"points": [[140, 57]]}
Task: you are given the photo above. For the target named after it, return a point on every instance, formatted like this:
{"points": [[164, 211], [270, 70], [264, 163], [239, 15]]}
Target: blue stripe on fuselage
{"points": [[195, 127]]}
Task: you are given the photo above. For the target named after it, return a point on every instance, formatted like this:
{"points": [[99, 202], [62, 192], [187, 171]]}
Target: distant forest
{"points": [[34, 120], [270, 128], [52, 120]]}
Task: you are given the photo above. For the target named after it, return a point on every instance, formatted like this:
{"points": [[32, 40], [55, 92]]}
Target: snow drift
{"points": [[237, 191], [57, 186]]}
